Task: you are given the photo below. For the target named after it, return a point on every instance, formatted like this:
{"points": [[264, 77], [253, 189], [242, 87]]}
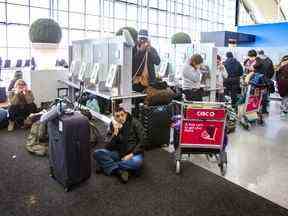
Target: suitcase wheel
{"points": [[178, 167], [51, 173]]}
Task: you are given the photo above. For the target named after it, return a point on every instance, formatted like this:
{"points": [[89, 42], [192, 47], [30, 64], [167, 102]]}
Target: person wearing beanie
{"points": [[140, 50]]}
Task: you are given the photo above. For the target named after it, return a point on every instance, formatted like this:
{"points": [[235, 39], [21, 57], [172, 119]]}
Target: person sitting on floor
{"points": [[18, 75], [124, 153], [21, 104]]}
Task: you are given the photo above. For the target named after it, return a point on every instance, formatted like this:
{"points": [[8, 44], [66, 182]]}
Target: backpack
{"points": [[268, 68], [257, 80], [36, 141]]}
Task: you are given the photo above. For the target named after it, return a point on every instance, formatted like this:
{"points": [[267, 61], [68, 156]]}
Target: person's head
{"points": [[257, 66], [143, 36], [20, 84], [284, 58], [252, 54], [120, 115], [219, 59], [261, 52], [229, 55], [18, 75], [196, 61]]}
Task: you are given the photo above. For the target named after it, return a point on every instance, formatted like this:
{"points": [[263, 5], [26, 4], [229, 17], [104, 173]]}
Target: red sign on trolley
{"points": [[195, 132], [215, 114], [254, 103]]}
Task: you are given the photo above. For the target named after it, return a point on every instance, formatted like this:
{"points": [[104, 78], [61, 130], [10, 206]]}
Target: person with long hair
{"points": [[21, 104], [191, 79]]}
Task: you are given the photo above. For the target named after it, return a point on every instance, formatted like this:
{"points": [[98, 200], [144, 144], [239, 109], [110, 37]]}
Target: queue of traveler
{"points": [[231, 75]]}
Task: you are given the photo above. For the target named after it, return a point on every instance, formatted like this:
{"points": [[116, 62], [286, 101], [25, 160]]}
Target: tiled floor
{"points": [[258, 159]]}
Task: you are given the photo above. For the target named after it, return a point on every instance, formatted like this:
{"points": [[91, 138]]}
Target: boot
{"points": [[11, 126]]}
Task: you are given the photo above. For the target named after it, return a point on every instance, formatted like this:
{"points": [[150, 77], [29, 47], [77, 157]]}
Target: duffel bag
{"points": [[156, 97]]}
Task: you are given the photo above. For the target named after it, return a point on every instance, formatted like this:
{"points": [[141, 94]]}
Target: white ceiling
{"points": [[266, 11]]}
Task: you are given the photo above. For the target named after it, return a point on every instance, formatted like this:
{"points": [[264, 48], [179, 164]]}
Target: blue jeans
{"points": [[110, 161]]}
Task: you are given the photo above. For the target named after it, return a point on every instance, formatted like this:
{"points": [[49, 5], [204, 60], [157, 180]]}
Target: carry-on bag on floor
{"points": [[156, 121], [69, 149], [3, 96]]}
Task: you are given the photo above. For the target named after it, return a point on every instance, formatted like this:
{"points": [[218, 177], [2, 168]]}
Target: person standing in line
{"points": [[141, 51], [268, 70], [191, 79], [232, 83], [221, 75], [282, 84]]}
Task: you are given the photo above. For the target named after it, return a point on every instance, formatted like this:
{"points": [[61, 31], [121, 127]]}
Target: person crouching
{"points": [[124, 153], [21, 104]]}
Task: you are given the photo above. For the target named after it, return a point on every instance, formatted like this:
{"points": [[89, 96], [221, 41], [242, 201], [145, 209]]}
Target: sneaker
{"points": [[98, 169], [123, 176], [11, 126]]}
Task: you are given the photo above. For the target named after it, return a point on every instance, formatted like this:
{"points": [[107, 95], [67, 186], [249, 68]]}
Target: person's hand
{"points": [[116, 127], [18, 91], [127, 157]]}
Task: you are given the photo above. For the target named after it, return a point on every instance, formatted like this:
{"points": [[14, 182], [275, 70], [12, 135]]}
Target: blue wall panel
{"points": [[267, 35]]}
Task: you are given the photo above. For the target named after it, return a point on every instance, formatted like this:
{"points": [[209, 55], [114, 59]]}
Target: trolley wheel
{"points": [[245, 125], [223, 168], [223, 163], [178, 166]]}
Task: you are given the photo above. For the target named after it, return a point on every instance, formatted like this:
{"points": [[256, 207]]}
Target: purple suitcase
{"points": [[69, 149]]}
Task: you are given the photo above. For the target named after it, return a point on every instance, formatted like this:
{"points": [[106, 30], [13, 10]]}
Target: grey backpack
{"points": [[36, 140]]}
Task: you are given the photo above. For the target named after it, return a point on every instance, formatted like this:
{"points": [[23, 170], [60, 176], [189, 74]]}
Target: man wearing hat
{"points": [[142, 48]]}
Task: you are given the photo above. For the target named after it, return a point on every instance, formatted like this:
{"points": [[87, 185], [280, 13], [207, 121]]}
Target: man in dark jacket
{"points": [[268, 71], [232, 83], [124, 153], [139, 51]]}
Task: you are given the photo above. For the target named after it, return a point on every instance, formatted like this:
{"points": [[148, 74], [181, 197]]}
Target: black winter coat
{"points": [[233, 68], [130, 138]]}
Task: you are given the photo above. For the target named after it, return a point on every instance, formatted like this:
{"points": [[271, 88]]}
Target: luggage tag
{"points": [[60, 126]]}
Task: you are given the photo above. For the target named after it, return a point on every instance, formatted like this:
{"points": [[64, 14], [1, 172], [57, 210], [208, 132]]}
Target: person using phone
{"points": [[191, 79], [123, 155], [21, 104], [142, 47]]}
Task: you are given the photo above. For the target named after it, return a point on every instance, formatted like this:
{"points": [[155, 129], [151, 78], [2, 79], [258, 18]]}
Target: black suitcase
{"points": [[69, 149], [156, 121]]}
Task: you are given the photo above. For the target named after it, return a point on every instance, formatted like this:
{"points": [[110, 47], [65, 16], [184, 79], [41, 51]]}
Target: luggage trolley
{"points": [[202, 131], [250, 111]]}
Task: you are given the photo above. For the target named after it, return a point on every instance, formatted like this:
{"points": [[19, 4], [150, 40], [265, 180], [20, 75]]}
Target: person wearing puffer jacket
{"points": [[282, 84]]}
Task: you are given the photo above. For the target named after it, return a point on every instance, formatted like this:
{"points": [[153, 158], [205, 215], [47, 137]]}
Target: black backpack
{"points": [[268, 68]]}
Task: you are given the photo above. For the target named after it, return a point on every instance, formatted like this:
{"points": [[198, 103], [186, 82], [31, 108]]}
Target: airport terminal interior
{"points": [[143, 107]]}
